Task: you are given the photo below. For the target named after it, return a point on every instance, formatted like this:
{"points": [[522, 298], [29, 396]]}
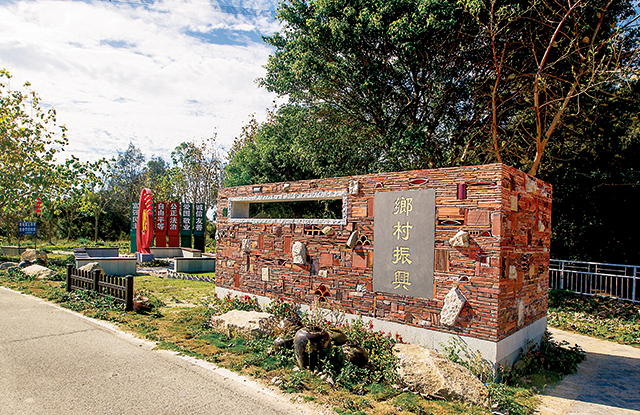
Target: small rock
{"points": [[91, 266], [453, 303], [299, 253], [328, 230], [6, 265], [354, 187], [460, 240], [520, 312], [33, 256], [246, 245], [245, 324], [39, 271]]}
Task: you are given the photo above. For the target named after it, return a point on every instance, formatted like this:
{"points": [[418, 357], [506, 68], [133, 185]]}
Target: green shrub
{"points": [[517, 401], [603, 317], [16, 274], [282, 309], [543, 363], [458, 352]]}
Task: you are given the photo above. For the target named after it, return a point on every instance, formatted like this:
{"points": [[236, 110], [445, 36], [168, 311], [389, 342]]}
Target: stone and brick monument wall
{"points": [[429, 254]]}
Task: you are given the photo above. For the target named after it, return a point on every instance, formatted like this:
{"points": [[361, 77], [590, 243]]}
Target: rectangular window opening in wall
{"points": [[328, 208]]}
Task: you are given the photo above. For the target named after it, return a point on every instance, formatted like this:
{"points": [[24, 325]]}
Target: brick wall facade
{"points": [[503, 273]]}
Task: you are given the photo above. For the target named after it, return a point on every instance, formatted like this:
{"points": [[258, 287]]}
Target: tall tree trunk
{"points": [[95, 229]]}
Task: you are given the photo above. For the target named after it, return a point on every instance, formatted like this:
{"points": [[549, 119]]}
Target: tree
{"points": [[543, 59], [29, 142], [197, 172], [295, 144], [437, 83], [394, 72], [596, 183], [127, 175]]}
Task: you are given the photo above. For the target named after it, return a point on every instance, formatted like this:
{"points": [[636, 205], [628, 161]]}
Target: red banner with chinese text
{"points": [[173, 224], [161, 225]]}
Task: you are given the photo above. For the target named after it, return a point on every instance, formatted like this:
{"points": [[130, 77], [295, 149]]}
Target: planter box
{"points": [[12, 250], [112, 266], [203, 264]]}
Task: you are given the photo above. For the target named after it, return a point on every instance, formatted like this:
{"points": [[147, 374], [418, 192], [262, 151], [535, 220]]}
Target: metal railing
{"points": [[594, 278]]}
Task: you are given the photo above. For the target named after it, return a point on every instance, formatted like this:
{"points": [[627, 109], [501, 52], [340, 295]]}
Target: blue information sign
{"points": [[27, 228]]}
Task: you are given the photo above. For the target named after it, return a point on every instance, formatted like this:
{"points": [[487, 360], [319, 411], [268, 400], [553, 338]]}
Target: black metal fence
{"points": [[120, 288]]}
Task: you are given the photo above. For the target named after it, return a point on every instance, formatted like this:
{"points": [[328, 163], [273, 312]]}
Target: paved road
{"points": [[53, 362], [607, 383]]}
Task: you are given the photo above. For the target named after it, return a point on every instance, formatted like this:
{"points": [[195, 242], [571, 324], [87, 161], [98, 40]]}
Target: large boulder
{"points": [[38, 271], [31, 255], [429, 373], [245, 324], [91, 266]]}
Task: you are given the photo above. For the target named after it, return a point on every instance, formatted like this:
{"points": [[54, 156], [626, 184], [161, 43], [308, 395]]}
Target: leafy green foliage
{"points": [[220, 306], [16, 274], [293, 145], [282, 309], [545, 363], [517, 401], [458, 352], [603, 317], [29, 143], [80, 300], [390, 71], [428, 84], [379, 347], [411, 403]]}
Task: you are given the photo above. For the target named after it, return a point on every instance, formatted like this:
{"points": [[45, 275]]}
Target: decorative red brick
{"points": [[359, 259], [478, 217], [492, 297], [326, 260], [287, 245]]}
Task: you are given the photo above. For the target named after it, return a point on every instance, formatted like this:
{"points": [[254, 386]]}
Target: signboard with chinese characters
{"points": [[27, 228], [173, 224], [198, 219], [186, 216], [161, 224], [404, 242], [134, 215]]}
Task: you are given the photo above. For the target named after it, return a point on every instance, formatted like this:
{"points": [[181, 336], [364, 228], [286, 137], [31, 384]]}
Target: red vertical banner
{"points": [[173, 224], [161, 225]]}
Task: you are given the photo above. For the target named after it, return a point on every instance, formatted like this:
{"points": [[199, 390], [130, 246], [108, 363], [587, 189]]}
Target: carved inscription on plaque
{"points": [[404, 242]]}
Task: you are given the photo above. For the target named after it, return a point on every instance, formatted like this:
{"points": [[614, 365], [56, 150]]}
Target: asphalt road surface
{"points": [[53, 362]]}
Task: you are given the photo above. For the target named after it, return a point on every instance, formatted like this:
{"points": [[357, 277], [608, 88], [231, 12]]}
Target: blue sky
{"points": [[155, 73]]}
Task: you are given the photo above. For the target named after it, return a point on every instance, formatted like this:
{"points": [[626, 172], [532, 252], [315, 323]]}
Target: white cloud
{"points": [[117, 73]]}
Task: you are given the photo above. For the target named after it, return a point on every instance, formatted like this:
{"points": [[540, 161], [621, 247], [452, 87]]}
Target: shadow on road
{"points": [[603, 379]]}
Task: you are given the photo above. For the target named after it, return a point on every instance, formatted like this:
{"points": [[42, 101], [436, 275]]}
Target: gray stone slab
{"points": [[404, 234]]}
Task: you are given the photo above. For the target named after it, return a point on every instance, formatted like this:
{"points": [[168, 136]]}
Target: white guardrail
{"points": [[594, 278]]}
